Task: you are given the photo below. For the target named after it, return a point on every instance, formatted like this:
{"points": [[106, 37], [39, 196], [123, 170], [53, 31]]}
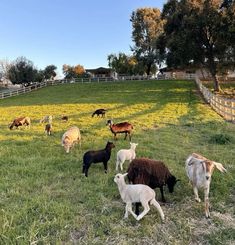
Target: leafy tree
{"points": [[22, 71], [49, 72], [73, 71], [4, 68], [197, 32], [147, 26], [119, 63]]}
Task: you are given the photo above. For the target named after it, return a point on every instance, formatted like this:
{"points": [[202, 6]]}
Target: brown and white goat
{"points": [[20, 121], [199, 170], [119, 128]]}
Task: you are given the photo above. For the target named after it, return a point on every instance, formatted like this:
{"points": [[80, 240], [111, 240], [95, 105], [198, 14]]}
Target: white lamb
{"points": [[70, 137], [137, 193], [124, 155]]}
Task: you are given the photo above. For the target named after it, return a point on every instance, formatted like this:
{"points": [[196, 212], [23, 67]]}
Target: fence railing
{"points": [[223, 106], [86, 80]]}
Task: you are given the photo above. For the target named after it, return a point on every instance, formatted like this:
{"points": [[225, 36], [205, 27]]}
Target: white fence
{"points": [[223, 106], [80, 80]]}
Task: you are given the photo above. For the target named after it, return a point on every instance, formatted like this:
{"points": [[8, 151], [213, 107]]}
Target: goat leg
{"points": [[105, 167]]}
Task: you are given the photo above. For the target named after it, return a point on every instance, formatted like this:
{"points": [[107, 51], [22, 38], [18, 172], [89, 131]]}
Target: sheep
{"points": [[123, 127], [48, 128], [137, 193], [199, 171], [99, 112], [152, 173], [124, 155], [20, 122], [70, 137], [97, 156], [46, 119]]}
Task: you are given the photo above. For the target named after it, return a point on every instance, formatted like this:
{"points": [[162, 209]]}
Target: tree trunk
{"points": [[148, 69], [216, 83]]}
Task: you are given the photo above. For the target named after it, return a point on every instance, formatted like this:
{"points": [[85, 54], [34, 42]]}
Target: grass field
{"points": [[44, 198]]}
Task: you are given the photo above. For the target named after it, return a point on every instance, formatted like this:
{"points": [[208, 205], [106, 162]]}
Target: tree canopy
{"points": [[22, 71], [73, 71], [147, 26], [197, 32]]}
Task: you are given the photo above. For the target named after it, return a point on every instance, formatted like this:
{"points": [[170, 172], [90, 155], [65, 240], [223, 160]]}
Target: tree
{"points": [[49, 72], [125, 64], [4, 68], [22, 71], [73, 71], [147, 26], [197, 32]]}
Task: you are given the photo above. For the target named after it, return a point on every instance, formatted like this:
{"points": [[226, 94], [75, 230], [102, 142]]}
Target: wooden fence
{"points": [[36, 86], [223, 106]]}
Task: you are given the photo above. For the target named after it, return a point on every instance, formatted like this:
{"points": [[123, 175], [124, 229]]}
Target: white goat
{"points": [[124, 155], [137, 193], [199, 170], [70, 137]]}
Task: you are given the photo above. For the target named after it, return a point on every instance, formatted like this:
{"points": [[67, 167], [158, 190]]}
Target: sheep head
{"points": [[133, 145], [119, 178], [171, 183]]}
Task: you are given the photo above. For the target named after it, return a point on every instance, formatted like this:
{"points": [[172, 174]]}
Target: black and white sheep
{"points": [[97, 156]]}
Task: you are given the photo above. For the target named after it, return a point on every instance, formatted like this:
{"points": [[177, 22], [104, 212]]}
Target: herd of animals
{"points": [[144, 174]]}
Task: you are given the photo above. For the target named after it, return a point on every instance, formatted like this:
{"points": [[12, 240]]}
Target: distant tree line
{"points": [[187, 33], [23, 71]]}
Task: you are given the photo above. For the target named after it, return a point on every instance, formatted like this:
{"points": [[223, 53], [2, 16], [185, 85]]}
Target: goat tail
{"points": [[220, 167], [158, 207]]}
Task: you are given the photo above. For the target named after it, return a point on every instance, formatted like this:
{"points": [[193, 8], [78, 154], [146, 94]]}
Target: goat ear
{"points": [[220, 167]]}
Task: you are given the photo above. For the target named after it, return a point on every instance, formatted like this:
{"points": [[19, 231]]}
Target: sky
{"points": [[69, 32]]}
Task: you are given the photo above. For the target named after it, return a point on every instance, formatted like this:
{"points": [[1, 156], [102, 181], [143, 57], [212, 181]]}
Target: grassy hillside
{"points": [[44, 198]]}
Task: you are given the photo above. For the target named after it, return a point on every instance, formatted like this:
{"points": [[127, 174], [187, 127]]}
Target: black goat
{"points": [[99, 112], [119, 128], [97, 156]]}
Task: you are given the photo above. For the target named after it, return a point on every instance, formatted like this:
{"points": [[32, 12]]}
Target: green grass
{"points": [[44, 198]]}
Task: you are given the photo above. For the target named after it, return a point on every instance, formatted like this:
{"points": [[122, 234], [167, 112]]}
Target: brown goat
{"points": [[119, 128], [20, 121]]}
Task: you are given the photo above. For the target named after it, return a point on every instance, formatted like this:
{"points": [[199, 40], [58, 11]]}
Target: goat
{"points": [[20, 122], [48, 128], [137, 193], [152, 173], [124, 155], [70, 137], [46, 119], [123, 127], [97, 156], [99, 112], [199, 171]]}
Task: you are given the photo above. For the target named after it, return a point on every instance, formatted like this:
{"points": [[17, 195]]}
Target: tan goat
{"points": [[199, 170]]}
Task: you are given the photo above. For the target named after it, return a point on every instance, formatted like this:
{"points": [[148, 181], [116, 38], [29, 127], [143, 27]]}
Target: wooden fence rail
{"points": [[223, 106]]}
